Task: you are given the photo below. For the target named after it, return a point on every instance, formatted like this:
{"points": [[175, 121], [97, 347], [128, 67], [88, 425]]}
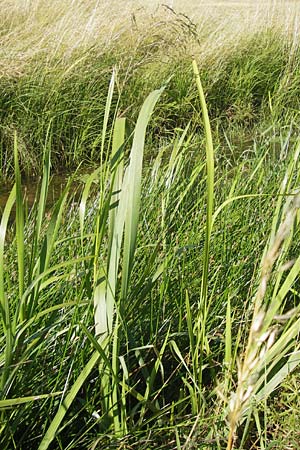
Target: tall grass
{"points": [[54, 73], [272, 348], [157, 306], [103, 333]]}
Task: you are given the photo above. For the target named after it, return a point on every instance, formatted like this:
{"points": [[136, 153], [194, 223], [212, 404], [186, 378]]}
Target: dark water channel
{"points": [[30, 190], [58, 181]]}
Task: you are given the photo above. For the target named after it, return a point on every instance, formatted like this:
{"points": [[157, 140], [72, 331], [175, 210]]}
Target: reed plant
{"points": [[153, 312]]}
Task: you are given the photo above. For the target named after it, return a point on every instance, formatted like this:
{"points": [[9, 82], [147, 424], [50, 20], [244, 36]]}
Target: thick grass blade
{"points": [[209, 184], [100, 308], [126, 214], [19, 228], [131, 190], [123, 200], [107, 112], [12, 402], [67, 401], [5, 310], [116, 220], [117, 166]]}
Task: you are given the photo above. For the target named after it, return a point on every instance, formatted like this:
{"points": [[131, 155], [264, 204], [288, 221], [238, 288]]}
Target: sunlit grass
{"points": [[146, 331], [156, 306], [55, 73]]}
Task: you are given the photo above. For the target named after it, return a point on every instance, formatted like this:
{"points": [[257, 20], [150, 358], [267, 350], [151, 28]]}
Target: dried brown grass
{"points": [[31, 30]]}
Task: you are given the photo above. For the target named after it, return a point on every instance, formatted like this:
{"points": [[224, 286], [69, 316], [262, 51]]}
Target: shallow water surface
{"points": [[30, 190]]}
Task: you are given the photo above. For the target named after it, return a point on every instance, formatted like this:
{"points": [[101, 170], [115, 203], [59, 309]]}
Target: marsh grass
{"points": [[251, 78], [130, 348], [272, 349], [161, 309]]}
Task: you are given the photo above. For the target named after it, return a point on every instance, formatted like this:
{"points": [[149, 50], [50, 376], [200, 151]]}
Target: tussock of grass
{"points": [[56, 71], [161, 309], [157, 326]]}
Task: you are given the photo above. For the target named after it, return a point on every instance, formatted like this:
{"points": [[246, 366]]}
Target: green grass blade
{"points": [[100, 308], [12, 402], [119, 424], [131, 189], [106, 112], [47, 247], [118, 167], [44, 186], [209, 184], [228, 335], [52, 230], [82, 207], [3, 228], [4, 303], [67, 401], [19, 228], [291, 364]]}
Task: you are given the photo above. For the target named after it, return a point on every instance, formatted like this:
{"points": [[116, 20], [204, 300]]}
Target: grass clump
{"points": [[250, 78], [156, 306], [148, 345]]}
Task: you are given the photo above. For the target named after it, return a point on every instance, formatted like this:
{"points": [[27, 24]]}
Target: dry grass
{"points": [[58, 30]]}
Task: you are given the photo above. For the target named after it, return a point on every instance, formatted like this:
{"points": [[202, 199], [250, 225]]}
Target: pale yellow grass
{"points": [[56, 30]]}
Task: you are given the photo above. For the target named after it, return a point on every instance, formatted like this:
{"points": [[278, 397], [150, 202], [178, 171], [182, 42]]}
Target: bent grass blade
{"points": [[12, 402]]}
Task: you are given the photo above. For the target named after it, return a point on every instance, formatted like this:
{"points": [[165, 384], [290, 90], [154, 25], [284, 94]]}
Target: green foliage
{"points": [[151, 303], [252, 84]]}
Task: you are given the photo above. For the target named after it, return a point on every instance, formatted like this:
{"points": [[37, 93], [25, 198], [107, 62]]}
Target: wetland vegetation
{"points": [[155, 302]]}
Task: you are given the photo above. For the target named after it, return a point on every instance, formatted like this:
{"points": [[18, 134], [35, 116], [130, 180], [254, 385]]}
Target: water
{"points": [[30, 189]]}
